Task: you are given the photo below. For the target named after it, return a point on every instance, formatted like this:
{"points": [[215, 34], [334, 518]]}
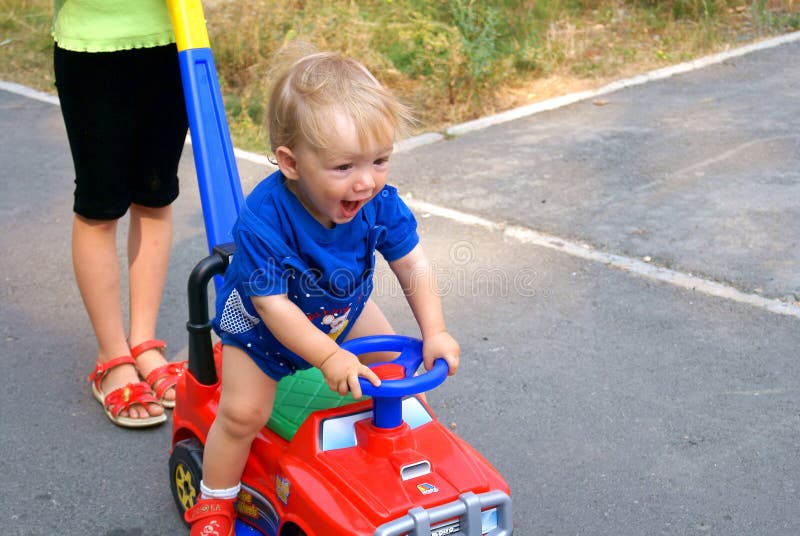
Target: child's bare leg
{"points": [[96, 265], [244, 409], [149, 243], [372, 321]]}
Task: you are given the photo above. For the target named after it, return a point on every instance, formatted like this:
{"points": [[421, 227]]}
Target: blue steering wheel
{"points": [[388, 397]]}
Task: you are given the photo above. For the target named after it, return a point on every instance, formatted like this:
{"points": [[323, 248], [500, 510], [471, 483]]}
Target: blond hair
{"points": [[317, 85]]}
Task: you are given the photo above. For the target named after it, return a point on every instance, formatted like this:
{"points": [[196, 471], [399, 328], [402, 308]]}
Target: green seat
{"points": [[297, 396]]}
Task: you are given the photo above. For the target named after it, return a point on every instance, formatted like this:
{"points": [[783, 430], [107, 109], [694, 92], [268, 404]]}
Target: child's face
{"points": [[334, 184]]}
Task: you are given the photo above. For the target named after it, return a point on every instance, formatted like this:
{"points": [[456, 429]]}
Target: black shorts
{"points": [[126, 122]]}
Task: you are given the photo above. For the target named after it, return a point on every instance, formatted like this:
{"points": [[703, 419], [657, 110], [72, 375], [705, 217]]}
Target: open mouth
{"points": [[350, 208]]}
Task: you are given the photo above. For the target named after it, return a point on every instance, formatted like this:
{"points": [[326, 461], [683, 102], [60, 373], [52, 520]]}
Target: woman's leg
{"points": [[245, 406], [149, 244], [94, 258], [160, 132]]}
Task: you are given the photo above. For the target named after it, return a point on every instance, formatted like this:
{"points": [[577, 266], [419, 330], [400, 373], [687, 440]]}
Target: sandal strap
{"points": [[165, 377], [101, 369], [141, 348], [123, 398]]}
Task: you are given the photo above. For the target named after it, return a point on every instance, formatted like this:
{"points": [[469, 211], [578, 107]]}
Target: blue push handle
{"points": [[217, 175]]}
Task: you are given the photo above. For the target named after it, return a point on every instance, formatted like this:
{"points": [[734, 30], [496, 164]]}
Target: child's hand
{"points": [[341, 370], [441, 345]]}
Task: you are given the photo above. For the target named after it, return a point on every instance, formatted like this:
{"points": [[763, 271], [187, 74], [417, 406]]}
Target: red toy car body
{"points": [[340, 474]]}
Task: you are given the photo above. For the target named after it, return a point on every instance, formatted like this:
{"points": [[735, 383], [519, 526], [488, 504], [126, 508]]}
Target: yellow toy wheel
{"points": [[185, 472]]}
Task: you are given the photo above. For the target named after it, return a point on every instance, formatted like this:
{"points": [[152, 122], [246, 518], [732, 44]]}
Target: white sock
{"points": [[229, 493]]}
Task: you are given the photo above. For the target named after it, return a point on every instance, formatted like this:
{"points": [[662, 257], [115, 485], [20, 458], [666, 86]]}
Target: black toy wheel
{"points": [[185, 472]]}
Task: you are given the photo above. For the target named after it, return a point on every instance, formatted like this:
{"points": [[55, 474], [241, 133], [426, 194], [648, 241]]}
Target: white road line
{"points": [[28, 92], [531, 236], [627, 264]]}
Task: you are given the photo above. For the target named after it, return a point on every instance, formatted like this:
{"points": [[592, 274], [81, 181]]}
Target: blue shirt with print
{"points": [[327, 273]]}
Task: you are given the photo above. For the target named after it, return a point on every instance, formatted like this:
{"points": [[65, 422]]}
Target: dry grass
{"points": [[26, 48], [452, 60]]}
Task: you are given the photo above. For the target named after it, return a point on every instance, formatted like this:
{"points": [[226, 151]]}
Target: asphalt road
{"points": [[614, 402]]}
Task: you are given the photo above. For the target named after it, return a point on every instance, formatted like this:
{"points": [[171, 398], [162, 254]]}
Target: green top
{"points": [[111, 25]]}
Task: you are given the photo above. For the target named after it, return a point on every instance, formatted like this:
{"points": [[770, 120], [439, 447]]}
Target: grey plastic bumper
{"points": [[467, 509]]}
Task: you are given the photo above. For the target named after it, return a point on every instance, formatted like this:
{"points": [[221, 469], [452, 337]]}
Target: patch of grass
{"points": [[773, 16], [26, 48], [452, 60]]}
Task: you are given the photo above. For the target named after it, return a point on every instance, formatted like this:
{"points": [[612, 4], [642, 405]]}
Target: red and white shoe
{"points": [[212, 517]]}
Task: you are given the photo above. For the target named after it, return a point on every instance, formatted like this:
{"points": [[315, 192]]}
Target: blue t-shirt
{"points": [[327, 273]]}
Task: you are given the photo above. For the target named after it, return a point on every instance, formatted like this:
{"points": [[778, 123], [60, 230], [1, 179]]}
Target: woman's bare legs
{"points": [[94, 258], [149, 246]]}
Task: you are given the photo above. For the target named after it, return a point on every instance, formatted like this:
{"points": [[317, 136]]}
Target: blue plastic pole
{"points": [[217, 174]]}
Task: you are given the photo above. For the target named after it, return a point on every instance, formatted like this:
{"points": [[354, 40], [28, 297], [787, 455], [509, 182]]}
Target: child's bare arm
{"points": [[418, 281], [291, 327]]}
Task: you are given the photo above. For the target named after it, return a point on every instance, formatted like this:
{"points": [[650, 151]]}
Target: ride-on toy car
{"points": [[324, 465]]}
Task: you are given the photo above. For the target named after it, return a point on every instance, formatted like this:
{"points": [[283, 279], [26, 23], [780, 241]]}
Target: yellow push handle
{"points": [[189, 24]]}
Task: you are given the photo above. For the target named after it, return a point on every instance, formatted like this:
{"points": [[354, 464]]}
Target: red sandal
{"points": [[163, 378], [122, 399], [211, 517]]}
